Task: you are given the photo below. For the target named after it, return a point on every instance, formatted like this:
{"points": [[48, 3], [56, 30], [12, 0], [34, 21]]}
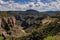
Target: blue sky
{"points": [[40, 5], [23, 1], [20, 1]]}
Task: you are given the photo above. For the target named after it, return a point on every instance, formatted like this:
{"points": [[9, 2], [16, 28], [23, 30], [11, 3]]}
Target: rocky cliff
{"points": [[9, 28]]}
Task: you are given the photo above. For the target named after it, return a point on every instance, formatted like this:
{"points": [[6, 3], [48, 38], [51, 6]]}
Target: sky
{"points": [[22, 5]]}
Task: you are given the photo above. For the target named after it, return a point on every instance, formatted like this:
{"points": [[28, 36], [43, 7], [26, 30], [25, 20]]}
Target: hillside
{"points": [[29, 25], [9, 28], [4, 14]]}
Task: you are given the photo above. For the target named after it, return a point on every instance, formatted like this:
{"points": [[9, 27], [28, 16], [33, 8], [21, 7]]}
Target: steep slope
{"points": [[9, 28]]}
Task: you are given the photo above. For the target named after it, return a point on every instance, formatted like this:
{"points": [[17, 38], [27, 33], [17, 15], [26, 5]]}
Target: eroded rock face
{"points": [[8, 27], [6, 23], [13, 21], [58, 22], [48, 20], [5, 19], [10, 21]]}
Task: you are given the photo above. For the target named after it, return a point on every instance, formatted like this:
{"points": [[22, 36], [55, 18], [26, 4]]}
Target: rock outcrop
{"points": [[48, 20], [9, 28], [6, 23], [10, 20]]}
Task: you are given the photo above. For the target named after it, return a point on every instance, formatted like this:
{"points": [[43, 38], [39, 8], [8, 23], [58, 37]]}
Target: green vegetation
{"points": [[1, 38], [4, 14], [50, 38], [33, 29], [43, 32]]}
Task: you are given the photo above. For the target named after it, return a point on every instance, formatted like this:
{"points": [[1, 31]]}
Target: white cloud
{"points": [[40, 6]]}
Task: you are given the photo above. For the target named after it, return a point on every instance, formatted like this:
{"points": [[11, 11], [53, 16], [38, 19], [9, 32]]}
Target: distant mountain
{"points": [[32, 12], [46, 12], [50, 12], [27, 12]]}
